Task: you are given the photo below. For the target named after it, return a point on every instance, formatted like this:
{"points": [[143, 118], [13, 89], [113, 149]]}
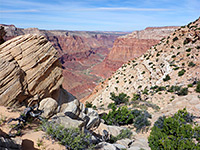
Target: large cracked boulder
{"points": [[29, 65]]}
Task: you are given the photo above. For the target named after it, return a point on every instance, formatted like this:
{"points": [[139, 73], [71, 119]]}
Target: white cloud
{"points": [[126, 9], [15, 11]]}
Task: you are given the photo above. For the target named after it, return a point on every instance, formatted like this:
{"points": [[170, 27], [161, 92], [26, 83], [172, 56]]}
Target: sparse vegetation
{"points": [[190, 85], [181, 73], [188, 50], [183, 91], [166, 78], [198, 87], [175, 39], [173, 56], [71, 138], [188, 54], [124, 133], [121, 98], [186, 41], [191, 64], [88, 104], [124, 116]]}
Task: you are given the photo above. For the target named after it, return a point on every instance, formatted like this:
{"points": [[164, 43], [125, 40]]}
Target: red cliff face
{"points": [[129, 47]]}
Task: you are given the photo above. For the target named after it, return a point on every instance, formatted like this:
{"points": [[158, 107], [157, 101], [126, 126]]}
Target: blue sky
{"points": [[101, 15]]}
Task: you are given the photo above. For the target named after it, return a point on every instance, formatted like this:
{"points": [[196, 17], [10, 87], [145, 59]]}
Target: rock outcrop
{"points": [[129, 47], [29, 66], [2, 34]]}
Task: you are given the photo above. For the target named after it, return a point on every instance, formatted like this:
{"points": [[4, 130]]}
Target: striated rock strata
{"points": [[129, 47], [29, 66]]}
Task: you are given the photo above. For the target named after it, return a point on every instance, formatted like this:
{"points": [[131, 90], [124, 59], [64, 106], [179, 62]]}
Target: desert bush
{"points": [[183, 91], [125, 116], [120, 116], [175, 39], [124, 133], [145, 91], [111, 105], [190, 85], [173, 56], [188, 54], [166, 78], [71, 138], [198, 87], [188, 50], [88, 104], [176, 68], [186, 41], [180, 73], [176, 132], [136, 97], [121, 98], [191, 64]]}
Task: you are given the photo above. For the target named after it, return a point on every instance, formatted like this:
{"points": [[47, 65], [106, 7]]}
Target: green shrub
{"points": [[145, 91], [175, 133], [124, 133], [136, 97], [175, 39], [191, 64], [176, 68], [166, 78], [188, 54], [183, 91], [188, 50], [124, 116], [174, 89], [198, 87], [158, 54], [190, 85], [120, 116], [160, 88], [88, 104], [180, 73], [121, 98], [173, 56], [111, 105], [71, 138], [186, 41]]}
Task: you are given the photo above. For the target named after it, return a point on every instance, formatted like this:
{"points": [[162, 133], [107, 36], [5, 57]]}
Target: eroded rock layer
{"points": [[29, 66], [129, 47]]}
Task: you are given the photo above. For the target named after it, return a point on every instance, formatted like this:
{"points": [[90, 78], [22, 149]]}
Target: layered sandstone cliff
{"points": [[29, 66]]}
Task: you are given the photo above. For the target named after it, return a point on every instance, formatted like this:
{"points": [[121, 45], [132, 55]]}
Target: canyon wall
{"points": [[129, 47]]}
